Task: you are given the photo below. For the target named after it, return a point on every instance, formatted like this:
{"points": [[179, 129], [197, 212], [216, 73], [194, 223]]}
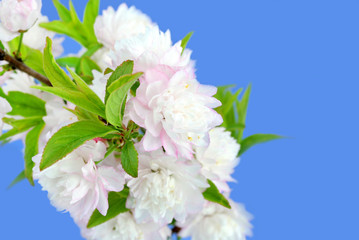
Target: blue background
{"points": [[302, 57]]}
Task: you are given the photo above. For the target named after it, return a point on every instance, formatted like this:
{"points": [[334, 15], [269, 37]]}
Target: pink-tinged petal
{"points": [[154, 89], [112, 180], [102, 205], [139, 108], [6, 35], [169, 147], [153, 127], [136, 118], [89, 171], [79, 192], [146, 61], [155, 75], [150, 142], [207, 90]]}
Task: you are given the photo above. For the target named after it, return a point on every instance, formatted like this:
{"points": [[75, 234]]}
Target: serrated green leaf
{"points": [[212, 194], [2, 46], [34, 60], [26, 105], [185, 40], [83, 114], [117, 205], [18, 179], [71, 137], [68, 61], [129, 159], [86, 66], [87, 91], [56, 75], [76, 97], [255, 139], [19, 126], [62, 11], [67, 28], [122, 81], [31, 149], [124, 69], [115, 105]]}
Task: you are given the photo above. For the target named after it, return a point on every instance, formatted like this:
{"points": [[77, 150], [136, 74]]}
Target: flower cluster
{"points": [[126, 140]]}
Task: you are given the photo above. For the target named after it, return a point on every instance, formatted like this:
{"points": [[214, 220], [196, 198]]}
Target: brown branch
{"points": [[15, 63], [176, 230]]}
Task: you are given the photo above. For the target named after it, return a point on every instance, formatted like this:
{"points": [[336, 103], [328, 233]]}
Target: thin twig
{"points": [[22, 67]]}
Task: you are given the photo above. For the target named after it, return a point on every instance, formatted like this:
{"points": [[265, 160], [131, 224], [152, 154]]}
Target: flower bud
{"points": [[17, 16]]}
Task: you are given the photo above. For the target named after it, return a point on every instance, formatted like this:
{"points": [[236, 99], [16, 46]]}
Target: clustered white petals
{"points": [[219, 223], [76, 184], [36, 37], [220, 158], [17, 16], [118, 25], [166, 189], [125, 227]]}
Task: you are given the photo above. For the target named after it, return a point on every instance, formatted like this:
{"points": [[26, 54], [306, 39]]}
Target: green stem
{"points": [[18, 53]]}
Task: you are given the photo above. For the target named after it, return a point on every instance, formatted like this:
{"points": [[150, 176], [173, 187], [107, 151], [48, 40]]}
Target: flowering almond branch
{"points": [[126, 140], [17, 64]]}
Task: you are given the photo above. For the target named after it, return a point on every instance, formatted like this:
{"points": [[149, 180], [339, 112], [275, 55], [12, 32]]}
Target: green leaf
{"points": [[57, 76], [117, 205], [31, 149], [91, 12], [122, 81], [92, 50], [2, 46], [76, 97], [68, 61], [83, 114], [129, 159], [18, 179], [19, 126], [64, 14], [242, 110], [115, 105], [75, 19], [255, 139], [212, 194], [34, 60], [67, 28], [87, 91], [185, 40], [124, 69], [26, 105], [85, 67], [71, 137]]}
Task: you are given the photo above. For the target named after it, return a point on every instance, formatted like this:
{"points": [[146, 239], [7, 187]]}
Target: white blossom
{"points": [[175, 110], [151, 49], [165, 189], [124, 23], [220, 158], [36, 38], [124, 227], [4, 108], [17, 16], [99, 84], [76, 184], [216, 222]]}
